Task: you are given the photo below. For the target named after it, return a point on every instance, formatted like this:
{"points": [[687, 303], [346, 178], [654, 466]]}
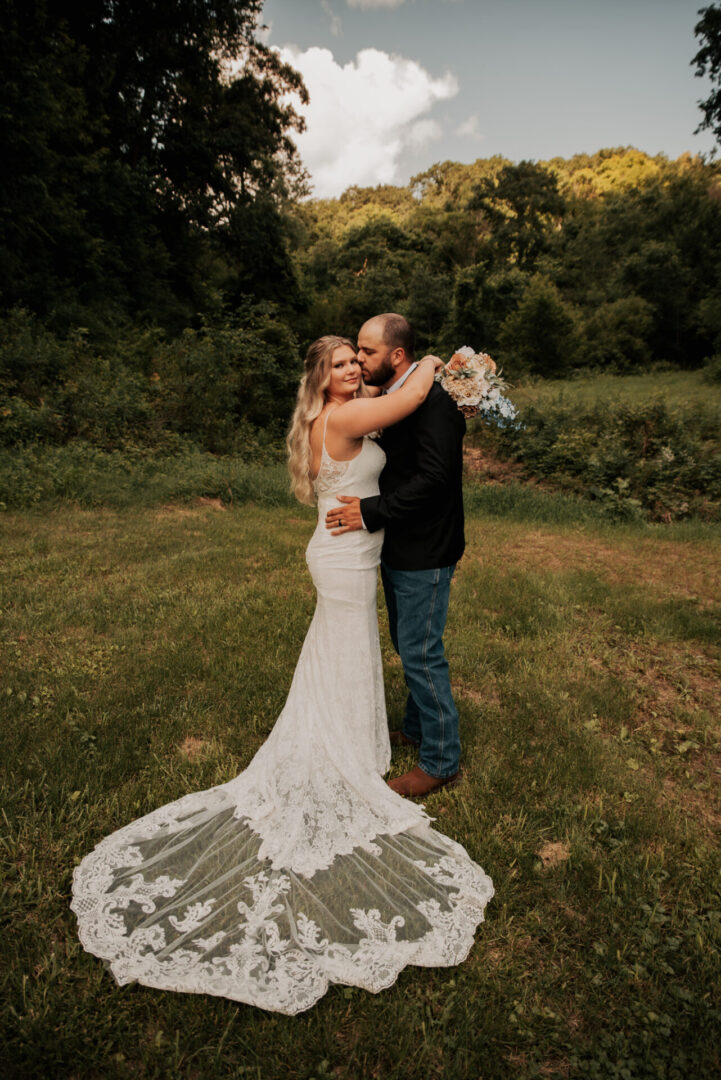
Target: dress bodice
{"points": [[357, 477]]}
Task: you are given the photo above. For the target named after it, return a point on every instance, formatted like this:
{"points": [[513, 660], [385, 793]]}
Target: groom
{"points": [[421, 508]]}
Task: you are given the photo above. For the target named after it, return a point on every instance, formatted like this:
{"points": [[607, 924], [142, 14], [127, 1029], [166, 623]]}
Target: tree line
{"points": [[147, 161], [162, 269], [611, 260]]}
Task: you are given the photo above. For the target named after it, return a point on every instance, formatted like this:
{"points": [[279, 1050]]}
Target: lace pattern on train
{"points": [[263, 936]]}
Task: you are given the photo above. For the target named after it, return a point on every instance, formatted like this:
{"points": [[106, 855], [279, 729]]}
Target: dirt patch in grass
{"points": [[668, 680], [202, 502], [211, 503], [553, 853], [571, 915], [488, 695], [170, 510], [677, 691], [701, 806], [193, 748], [492, 470], [637, 562], [672, 684], [491, 958]]}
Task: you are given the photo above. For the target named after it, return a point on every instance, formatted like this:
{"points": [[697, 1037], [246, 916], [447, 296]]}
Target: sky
{"points": [[397, 85]]}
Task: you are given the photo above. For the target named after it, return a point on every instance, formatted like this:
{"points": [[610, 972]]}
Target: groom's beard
{"points": [[382, 374]]}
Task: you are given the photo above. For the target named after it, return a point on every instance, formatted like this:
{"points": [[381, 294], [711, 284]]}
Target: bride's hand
{"points": [[438, 364]]}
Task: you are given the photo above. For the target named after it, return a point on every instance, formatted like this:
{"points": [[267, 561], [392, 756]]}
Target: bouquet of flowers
{"points": [[476, 387]]}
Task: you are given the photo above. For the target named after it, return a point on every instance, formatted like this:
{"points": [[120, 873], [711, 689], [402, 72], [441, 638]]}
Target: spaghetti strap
{"points": [[325, 428]]}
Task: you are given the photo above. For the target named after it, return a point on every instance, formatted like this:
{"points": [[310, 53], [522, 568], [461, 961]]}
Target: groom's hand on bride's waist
{"points": [[345, 518]]}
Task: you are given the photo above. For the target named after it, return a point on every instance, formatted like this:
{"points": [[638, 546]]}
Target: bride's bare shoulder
{"points": [[315, 434]]}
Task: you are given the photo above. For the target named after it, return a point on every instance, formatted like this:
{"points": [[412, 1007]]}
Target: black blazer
{"points": [[421, 494]]}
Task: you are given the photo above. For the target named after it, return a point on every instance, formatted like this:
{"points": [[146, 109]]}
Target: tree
{"points": [[635, 258], [540, 336], [521, 205], [656, 273], [138, 130], [482, 301], [616, 335], [708, 62]]}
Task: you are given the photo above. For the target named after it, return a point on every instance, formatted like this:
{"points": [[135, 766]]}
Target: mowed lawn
{"points": [[147, 651]]}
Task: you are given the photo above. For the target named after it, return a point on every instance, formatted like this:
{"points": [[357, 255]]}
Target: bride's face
{"points": [[345, 373]]}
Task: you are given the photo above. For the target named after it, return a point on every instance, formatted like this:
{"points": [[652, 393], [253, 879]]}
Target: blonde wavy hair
{"points": [[312, 397]]}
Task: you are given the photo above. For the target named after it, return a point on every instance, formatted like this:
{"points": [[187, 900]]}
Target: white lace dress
{"points": [[306, 869]]}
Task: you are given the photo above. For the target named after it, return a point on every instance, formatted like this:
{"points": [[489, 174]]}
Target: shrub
{"points": [[540, 336], [222, 382], [35, 475], [228, 386], [634, 459], [31, 358], [616, 335], [712, 369]]}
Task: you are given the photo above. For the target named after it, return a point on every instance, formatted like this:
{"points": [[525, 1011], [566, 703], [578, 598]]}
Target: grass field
{"points": [[147, 651], [677, 388]]}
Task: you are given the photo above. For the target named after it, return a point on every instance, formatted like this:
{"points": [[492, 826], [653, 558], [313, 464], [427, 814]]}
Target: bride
{"points": [[306, 869]]}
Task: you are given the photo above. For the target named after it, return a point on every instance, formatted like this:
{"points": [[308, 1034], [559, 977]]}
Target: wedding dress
{"points": [[306, 869]]}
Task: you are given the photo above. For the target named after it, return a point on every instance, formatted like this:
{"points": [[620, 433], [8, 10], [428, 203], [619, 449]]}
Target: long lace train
{"points": [[306, 869], [193, 908]]}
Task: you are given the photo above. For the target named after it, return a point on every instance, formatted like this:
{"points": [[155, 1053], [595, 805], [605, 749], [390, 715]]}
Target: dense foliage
{"points": [[160, 275], [607, 261], [708, 62], [223, 386], [647, 459], [146, 160]]}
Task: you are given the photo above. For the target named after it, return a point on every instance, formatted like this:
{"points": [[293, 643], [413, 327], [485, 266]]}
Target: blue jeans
{"points": [[417, 602]]}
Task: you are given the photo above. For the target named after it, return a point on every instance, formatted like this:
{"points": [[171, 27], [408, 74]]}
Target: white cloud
{"points": [[470, 129], [423, 132], [363, 115], [365, 4], [336, 27]]}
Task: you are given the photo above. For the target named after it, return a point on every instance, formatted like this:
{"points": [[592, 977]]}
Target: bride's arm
{"points": [[362, 415]]}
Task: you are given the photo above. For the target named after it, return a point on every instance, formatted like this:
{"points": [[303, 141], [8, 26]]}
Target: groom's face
{"points": [[374, 356]]}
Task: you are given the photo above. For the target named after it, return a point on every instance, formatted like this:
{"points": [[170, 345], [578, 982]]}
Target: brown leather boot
{"points": [[418, 783]]}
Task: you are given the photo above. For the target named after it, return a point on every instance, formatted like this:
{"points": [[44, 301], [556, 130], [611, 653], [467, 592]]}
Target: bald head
{"points": [[386, 346], [395, 332]]}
